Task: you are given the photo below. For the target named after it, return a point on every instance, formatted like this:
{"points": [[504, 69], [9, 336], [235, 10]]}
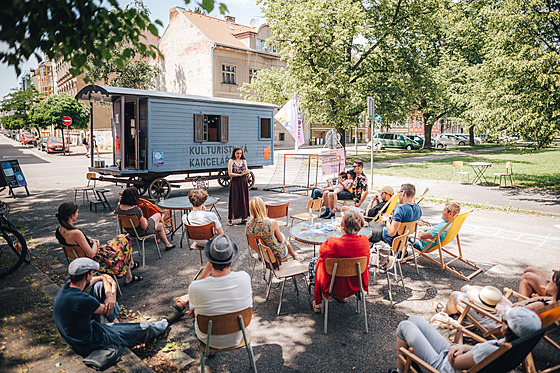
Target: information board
{"points": [[12, 175]]}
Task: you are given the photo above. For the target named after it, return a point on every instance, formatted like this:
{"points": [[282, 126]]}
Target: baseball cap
{"points": [[387, 189], [79, 266]]}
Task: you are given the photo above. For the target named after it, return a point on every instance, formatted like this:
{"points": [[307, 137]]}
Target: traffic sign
{"points": [[67, 121]]}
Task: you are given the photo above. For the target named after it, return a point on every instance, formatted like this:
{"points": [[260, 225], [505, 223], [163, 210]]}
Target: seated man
{"points": [[450, 211], [199, 215], [77, 315], [380, 200], [218, 290], [405, 212]]}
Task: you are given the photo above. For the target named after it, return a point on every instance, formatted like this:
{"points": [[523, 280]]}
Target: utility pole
{"points": [[371, 114]]}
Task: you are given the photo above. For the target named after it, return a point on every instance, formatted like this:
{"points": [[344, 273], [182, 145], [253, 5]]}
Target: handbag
{"points": [[446, 326], [103, 358]]}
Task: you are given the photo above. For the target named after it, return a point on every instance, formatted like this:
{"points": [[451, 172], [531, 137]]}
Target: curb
{"points": [[130, 362]]}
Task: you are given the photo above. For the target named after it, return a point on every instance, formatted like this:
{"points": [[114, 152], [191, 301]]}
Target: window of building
{"points": [[211, 128], [252, 74], [265, 128], [228, 74], [281, 136]]}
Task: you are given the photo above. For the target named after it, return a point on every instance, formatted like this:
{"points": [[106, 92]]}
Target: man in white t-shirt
{"points": [[219, 290], [199, 215]]}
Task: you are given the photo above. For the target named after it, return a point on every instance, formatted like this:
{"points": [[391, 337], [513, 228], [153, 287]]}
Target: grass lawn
{"points": [[390, 154], [536, 169]]}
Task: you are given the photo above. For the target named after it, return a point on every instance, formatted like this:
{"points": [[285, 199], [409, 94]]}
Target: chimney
{"points": [[230, 19]]}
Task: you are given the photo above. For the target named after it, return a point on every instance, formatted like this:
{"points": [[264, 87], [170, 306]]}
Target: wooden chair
{"points": [[506, 358], [278, 211], [88, 188], [148, 209], [199, 232], [313, 205], [75, 251], [256, 255], [345, 267], [438, 244], [225, 324], [131, 222], [505, 175], [398, 251], [289, 269], [458, 170]]}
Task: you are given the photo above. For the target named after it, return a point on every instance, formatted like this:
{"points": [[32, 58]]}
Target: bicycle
{"points": [[13, 240]]}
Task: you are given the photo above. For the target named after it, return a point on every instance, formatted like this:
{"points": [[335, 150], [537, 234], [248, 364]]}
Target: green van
{"points": [[395, 140]]}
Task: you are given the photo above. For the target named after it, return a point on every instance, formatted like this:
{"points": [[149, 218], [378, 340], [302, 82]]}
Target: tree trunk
{"points": [[427, 136], [471, 135], [342, 133]]}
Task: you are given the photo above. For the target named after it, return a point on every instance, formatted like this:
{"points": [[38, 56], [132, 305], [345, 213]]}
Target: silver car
{"points": [[445, 139]]}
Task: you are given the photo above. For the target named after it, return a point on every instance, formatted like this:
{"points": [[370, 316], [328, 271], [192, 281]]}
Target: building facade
{"points": [[208, 56]]}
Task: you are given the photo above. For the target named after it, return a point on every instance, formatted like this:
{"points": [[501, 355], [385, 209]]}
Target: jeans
{"points": [[122, 334], [316, 193], [427, 343]]}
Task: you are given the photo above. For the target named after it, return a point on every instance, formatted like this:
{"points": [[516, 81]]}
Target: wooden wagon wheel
{"points": [[159, 188], [223, 179], [142, 189], [251, 179]]}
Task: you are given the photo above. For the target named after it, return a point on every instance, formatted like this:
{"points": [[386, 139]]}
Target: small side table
{"points": [[100, 199]]}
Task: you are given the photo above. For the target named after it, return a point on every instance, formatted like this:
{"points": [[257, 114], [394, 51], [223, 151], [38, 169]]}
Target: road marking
{"points": [[547, 240]]}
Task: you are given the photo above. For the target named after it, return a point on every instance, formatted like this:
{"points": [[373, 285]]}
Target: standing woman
{"points": [[115, 257], [238, 207]]}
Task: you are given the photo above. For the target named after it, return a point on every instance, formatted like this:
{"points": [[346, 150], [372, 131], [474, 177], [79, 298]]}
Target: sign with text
{"points": [[12, 175], [333, 161]]}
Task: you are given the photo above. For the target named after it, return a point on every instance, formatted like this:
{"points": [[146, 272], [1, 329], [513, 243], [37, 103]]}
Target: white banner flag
{"points": [[290, 117]]}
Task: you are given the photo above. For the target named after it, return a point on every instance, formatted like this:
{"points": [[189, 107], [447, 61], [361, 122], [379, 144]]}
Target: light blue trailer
{"points": [[157, 134]]}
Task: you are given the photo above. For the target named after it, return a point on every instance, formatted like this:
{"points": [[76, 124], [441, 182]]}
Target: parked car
{"points": [[420, 140], [446, 139], [468, 139], [28, 139], [21, 136], [54, 144], [395, 140]]}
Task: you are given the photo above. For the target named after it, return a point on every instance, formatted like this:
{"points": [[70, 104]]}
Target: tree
{"points": [[51, 111], [333, 56], [73, 29], [19, 104]]}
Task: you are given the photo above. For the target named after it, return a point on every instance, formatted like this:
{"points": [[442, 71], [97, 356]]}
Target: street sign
{"points": [[67, 121]]}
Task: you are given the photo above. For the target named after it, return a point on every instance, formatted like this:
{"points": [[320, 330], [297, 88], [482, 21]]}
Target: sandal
{"points": [[134, 279], [229, 223], [243, 222], [135, 265], [316, 309], [183, 304], [437, 306]]}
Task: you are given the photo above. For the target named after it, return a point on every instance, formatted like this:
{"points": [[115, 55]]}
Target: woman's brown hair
{"points": [[235, 149], [65, 211]]}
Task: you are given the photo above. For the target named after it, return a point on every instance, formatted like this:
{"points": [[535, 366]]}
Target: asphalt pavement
{"points": [[501, 242]]}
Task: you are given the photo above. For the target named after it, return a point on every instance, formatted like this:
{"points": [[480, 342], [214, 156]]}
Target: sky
{"points": [[242, 10]]}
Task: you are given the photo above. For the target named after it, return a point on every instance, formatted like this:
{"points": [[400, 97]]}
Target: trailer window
{"points": [[211, 128], [265, 128]]}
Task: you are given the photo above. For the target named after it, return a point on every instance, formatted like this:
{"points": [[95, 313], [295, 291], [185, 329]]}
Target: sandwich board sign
{"points": [[12, 176]]}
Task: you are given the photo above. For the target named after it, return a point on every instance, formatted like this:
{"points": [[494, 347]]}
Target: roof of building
{"points": [[110, 94], [217, 30]]}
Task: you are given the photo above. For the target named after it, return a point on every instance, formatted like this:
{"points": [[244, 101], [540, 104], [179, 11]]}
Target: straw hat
{"points": [[486, 297], [387, 189]]}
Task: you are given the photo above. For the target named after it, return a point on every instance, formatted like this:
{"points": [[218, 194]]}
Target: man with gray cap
{"points": [[380, 201], [219, 290], [78, 315]]}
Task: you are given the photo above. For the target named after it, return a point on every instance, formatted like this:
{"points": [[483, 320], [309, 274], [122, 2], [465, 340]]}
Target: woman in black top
{"points": [[154, 224]]}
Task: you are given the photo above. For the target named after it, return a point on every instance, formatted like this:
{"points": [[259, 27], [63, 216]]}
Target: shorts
{"points": [[344, 195]]}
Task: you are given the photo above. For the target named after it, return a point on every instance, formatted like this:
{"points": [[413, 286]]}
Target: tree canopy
{"points": [[18, 104], [55, 107], [73, 29]]}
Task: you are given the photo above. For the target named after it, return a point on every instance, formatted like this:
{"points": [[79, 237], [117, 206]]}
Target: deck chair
{"points": [[221, 325], [288, 269], [278, 211], [505, 175], [75, 251], [387, 208], [131, 222], [506, 358], [438, 244], [313, 205], [256, 255], [458, 170], [148, 209], [345, 267], [88, 188]]}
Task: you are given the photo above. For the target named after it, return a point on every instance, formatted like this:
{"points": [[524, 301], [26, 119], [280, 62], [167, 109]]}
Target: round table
{"points": [[183, 204], [303, 232]]}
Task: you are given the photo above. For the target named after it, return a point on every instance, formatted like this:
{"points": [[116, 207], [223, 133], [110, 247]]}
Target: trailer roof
{"points": [[106, 93]]}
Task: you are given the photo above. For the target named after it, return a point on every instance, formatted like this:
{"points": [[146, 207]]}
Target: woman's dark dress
{"points": [[238, 195]]}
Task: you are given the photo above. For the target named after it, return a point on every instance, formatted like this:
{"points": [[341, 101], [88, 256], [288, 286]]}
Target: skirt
{"points": [[238, 207], [115, 256]]}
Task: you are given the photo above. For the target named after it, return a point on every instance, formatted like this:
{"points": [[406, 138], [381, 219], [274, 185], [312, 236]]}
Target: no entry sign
{"points": [[67, 121]]}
